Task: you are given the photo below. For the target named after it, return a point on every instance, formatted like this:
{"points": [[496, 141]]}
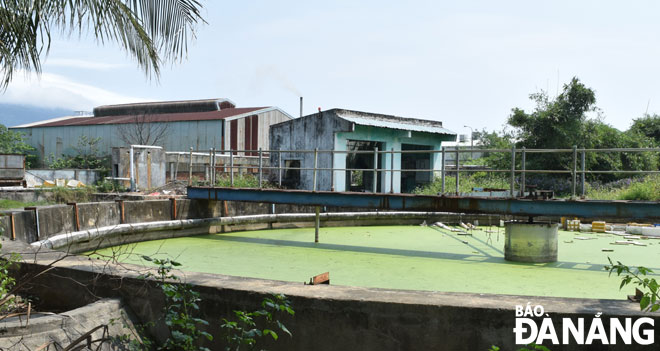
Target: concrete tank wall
{"points": [[60, 219], [328, 317], [98, 214]]}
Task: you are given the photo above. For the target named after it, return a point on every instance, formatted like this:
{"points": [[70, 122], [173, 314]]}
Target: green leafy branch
{"points": [[181, 306], [245, 332], [650, 300]]}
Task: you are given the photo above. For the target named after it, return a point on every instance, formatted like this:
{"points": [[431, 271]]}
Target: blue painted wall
{"points": [[392, 139]]}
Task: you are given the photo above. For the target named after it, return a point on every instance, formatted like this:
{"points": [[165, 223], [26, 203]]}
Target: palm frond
{"points": [[151, 31]]}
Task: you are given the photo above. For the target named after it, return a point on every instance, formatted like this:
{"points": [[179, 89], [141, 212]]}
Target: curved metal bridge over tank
{"points": [[632, 210]]}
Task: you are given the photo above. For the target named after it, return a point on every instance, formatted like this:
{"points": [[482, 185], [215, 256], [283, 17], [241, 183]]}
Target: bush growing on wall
{"points": [[86, 156]]}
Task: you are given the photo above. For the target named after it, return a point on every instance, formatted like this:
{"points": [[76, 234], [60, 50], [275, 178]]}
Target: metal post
{"points": [[375, 185], [279, 168], [176, 169], [574, 172], [584, 168], [231, 169], [522, 174], [261, 169], [190, 167], [209, 177], [442, 172], [458, 167], [36, 221], [316, 160], [213, 164], [317, 224], [132, 169], [513, 171], [392, 172], [332, 172]]}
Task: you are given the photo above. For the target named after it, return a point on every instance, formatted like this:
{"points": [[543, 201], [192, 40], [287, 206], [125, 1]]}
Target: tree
{"points": [[649, 126], [496, 140], [12, 142], [599, 135], [563, 122], [151, 31], [554, 124], [143, 131]]}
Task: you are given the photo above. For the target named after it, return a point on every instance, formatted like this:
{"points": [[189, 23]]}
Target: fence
{"points": [[195, 162], [262, 170], [12, 169]]}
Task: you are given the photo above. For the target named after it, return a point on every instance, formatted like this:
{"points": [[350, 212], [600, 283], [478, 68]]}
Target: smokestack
{"points": [[301, 106]]}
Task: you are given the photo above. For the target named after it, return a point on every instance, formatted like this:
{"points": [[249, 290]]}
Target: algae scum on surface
{"points": [[404, 257]]}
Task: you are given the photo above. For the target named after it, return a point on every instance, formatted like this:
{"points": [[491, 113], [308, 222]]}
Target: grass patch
{"points": [[640, 188], [62, 195], [11, 204], [242, 181], [465, 185], [643, 188]]}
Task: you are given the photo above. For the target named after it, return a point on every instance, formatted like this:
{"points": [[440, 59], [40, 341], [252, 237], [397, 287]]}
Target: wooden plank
{"points": [[323, 278], [254, 145], [233, 136]]}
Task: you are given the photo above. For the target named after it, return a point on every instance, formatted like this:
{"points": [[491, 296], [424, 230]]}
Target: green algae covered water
{"points": [[405, 257]]}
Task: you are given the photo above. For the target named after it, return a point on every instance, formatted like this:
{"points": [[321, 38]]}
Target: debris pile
{"points": [[70, 183]]}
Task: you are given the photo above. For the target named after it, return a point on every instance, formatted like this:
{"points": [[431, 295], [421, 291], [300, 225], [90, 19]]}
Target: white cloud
{"points": [[56, 91], [84, 64]]}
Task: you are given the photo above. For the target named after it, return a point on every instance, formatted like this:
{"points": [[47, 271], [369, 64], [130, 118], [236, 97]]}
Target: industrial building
{"points": [[344, 130], [174, 125]]}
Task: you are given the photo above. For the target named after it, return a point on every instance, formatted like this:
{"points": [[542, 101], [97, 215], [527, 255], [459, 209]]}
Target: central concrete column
{"points": [[530, 242]]}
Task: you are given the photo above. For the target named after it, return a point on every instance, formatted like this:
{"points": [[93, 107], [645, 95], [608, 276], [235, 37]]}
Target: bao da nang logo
{"points": [[533, 325]]}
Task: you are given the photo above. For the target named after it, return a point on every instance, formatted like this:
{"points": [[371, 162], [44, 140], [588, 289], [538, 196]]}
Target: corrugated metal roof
{"points": [[393, 122], [50, 120], [163, 117]]}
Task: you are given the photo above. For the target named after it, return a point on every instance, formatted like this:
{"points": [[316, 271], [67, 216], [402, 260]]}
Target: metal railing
{"points": [[227, 159]]}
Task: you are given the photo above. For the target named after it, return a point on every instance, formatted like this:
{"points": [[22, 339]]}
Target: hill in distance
{"points": [[14, 114]]}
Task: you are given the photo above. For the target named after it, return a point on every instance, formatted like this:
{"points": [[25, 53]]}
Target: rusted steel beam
{"points": [[76, 215], [508, 206], [122, 217]]}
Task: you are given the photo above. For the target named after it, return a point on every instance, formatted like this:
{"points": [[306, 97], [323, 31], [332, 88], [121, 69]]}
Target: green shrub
{"points": [[466, 183], [110, 186], [62, 195], [646, 189], [241, 181], [640, 188]]}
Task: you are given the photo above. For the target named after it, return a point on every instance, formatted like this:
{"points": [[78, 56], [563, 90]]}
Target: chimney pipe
{"points": [[301, 107]]}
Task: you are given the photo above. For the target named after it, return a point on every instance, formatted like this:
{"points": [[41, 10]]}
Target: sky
{"points": [[464, 63]]}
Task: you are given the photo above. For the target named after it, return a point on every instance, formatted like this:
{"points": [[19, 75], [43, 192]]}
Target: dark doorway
{"points": [[412, 180], [291, 179], [363, 180]]}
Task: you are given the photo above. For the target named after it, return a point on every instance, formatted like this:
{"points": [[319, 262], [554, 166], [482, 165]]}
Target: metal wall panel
{"points": [[180, 136]]}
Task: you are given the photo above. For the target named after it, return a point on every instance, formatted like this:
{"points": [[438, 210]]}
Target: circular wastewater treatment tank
{"points": [[403, 257], [531, 242]]}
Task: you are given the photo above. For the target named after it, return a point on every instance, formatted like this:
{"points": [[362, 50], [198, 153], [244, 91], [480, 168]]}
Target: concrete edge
{"points": [[69, 240]]}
